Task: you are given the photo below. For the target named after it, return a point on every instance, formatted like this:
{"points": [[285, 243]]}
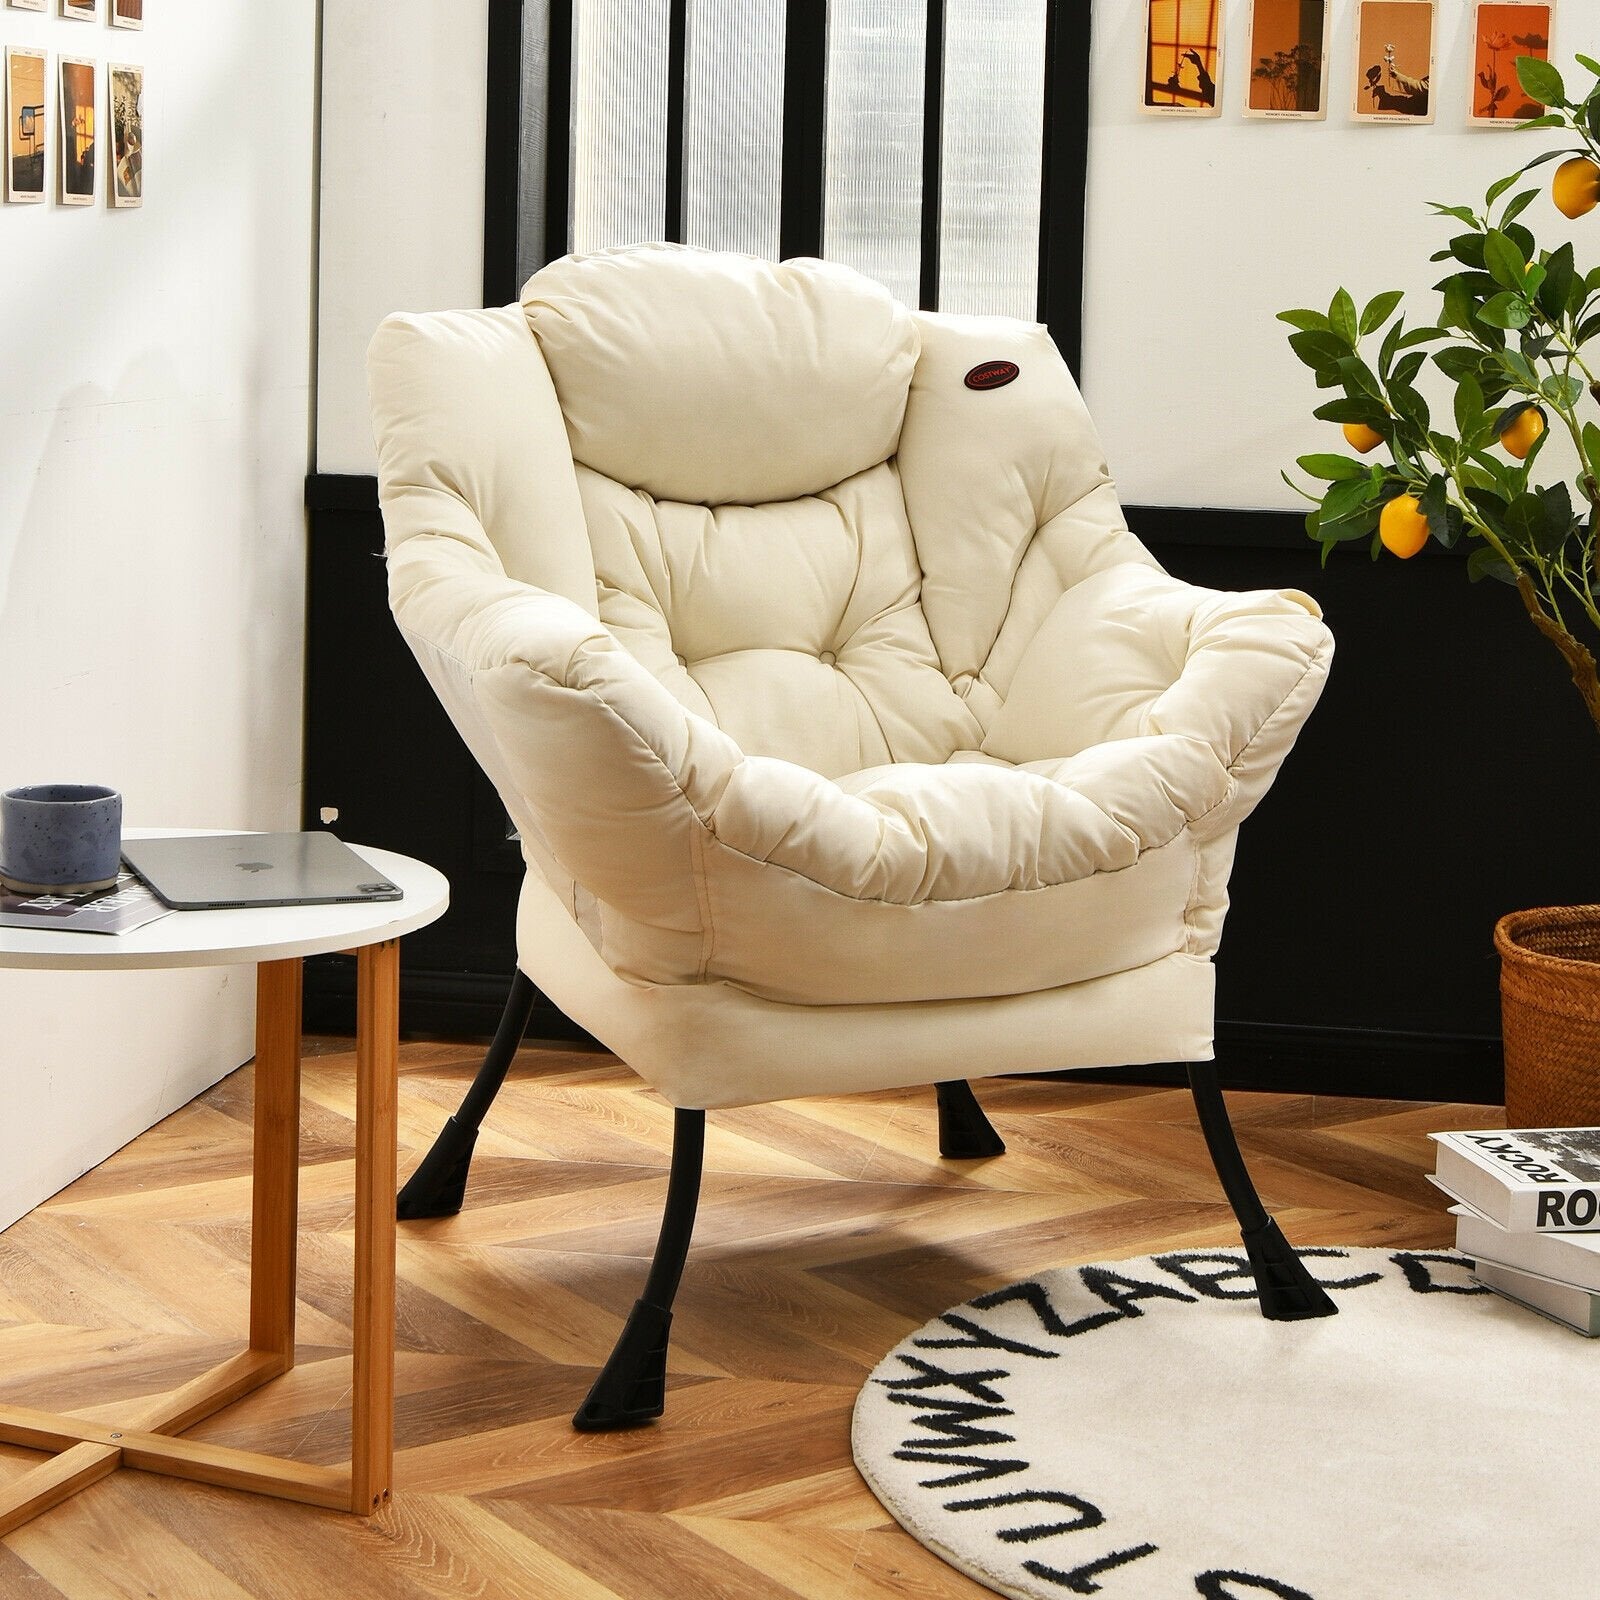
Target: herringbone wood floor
{"points": [[828, 1229]]}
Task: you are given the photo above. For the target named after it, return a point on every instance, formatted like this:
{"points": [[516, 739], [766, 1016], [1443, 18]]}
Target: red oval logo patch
{"points": [[991, 375]]}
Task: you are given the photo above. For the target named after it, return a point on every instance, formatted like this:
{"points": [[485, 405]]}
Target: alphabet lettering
{"points": [[1221, 1584], [1081, 1579]]}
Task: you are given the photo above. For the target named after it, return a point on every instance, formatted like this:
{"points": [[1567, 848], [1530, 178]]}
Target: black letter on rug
{"points": [[1088, 1516], [1221, 1585], [1081, 1579], [1414, 1263]]}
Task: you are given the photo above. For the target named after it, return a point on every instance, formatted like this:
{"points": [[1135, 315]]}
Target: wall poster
{"points": [[1394, 61], [1502, 30], [125, 102], [27, 126], [1183, 57], [75, 100], [1288, 59]]}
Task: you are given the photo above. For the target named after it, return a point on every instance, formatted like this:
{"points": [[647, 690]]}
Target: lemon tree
{"points": [[1512, 336]]}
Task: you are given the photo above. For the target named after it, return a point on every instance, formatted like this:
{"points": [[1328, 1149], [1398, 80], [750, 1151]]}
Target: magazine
{"points": [[127, 905], [1569, 1257], [1525, 1179], [1567, 1303]]}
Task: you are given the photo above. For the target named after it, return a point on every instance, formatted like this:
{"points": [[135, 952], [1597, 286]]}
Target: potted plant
{"points": [[1514, 476]]}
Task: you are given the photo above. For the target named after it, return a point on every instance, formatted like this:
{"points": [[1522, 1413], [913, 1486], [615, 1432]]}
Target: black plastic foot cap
{"points": [[632, 1387], [965, 1133], [439, 1185], [1284, 1286]]}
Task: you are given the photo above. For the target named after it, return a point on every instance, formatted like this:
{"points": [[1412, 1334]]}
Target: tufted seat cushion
{"points": [[804, 665]]}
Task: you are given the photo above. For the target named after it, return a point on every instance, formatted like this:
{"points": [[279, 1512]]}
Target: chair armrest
{"points": [[1132, 652]]}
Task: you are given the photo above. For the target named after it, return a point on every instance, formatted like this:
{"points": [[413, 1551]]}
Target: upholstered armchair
{"points": [[852, 740]]}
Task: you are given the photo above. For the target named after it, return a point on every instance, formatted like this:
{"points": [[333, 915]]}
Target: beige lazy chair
{"points": [[852, 739]]}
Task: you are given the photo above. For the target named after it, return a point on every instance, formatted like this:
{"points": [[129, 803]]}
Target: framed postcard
{"points": [[1394, 61], [27, 125], [1502, 30], [75, 102], [127, 13], [27, 5], [1182, 57], [1288, 59], [83, 10], [125, 106]]}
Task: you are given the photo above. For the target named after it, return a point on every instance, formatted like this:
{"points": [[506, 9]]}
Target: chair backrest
{"points": [[826, 523]]}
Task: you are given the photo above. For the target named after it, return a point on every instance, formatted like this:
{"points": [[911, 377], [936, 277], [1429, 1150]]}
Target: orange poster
{"points": [[1394, 61], [1183, 57], [1288, 59], [1502, 31]]}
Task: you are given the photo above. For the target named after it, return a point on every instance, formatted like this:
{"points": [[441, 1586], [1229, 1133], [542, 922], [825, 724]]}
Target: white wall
{"points": [[402, 189], [1200, 231], [154, 435]]}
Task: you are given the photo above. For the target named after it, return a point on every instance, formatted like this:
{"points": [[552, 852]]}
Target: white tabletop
{"points": [[264, 933]]}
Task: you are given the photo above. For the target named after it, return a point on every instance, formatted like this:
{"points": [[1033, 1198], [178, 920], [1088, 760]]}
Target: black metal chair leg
{"points": [[632, 1386], [438, 1186], [1284, 1287], [965, 1133]]}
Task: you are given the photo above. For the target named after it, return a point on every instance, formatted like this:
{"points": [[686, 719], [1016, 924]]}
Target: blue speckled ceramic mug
{"points": [[60, 838]]}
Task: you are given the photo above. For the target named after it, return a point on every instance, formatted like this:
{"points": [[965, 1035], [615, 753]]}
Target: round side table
{"points": [[277, 939]]}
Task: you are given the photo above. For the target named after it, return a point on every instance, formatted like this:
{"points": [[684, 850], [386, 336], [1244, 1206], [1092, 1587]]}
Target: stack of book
{"points": [[1528, 1213]]}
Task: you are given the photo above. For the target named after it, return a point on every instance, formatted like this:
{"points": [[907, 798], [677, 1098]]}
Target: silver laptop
{"points": [[216, 871]]}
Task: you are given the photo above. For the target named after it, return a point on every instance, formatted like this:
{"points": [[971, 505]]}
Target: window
{"points": [[936, 145]]}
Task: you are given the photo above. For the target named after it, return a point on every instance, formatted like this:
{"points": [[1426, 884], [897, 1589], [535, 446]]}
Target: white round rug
{"points": [[1137, 1429]]}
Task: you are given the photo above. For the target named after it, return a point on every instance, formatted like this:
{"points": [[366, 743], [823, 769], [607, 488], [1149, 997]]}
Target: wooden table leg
{"points": [[377, 1067], [275, 1192]]}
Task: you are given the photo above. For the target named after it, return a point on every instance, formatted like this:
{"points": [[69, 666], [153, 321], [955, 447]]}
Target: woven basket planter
{"points": [[1550, 1015]]}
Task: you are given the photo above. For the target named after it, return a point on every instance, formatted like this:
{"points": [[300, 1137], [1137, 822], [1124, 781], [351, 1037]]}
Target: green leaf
{"points": [[1456, 362], [1519, 366], [1522, 239], [1391, 346], [1590, 63], [1345, 499], [1408, 367], [1591, 117], [1317, 350], [1562, 389], [1434, 505], [1457, 309], [1333, 467], [1533, 282], [1591, 444], [1506, 310], [1342, 317], [1411, 406], [1310, 321], [1506, 263], [1549, 120], [1359, 378], [1469, 408], [1347, 410], [1558, 518], [1588, 328], [1499, 187], [1467, 248], [1524, 522], [1540, 81], [1379, 309], [1518, 204], [1419, 336], [1484, 563], [1460, 213]]}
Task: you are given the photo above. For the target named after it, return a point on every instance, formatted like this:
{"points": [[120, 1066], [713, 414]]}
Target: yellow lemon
{"points": [[1576, 186], [1402, 526], [1523, 434], [1361, 438]]}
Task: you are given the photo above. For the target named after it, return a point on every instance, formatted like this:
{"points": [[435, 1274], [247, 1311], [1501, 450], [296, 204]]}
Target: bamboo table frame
{"points": [[149, 1437]]}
